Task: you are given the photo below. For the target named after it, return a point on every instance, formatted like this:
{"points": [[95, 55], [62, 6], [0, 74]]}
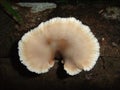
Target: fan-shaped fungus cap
{"points": [[69, 36]]}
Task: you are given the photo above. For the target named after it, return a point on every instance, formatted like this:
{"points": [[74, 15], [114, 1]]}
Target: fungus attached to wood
{"points": [[66, 36]]}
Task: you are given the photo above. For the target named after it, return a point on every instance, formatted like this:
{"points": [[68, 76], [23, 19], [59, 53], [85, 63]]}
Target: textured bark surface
{"points": [[105, 74]]}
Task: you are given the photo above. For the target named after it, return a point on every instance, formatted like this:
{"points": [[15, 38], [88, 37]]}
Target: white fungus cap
{"points": [[69, 36]]}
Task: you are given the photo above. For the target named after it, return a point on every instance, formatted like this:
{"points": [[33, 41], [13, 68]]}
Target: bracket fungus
{"points": [[68, 36]]}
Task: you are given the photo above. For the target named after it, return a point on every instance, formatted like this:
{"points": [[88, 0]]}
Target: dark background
{"points": [[104, 76], [74, 2]]}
